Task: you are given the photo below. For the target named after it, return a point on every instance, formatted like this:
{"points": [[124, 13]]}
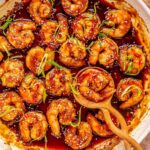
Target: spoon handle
{"points": [[121, 133]]}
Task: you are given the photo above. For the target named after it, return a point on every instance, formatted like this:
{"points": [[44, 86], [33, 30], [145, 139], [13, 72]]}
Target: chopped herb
{"points": [[83, 27], [79, 119], [16, 57], [45, 141], [128, 89], [7, 51], [6, 110], [52, 62], [101, 35], [42, 65], [73, 89], [91, 44], [130, 67], [95, 9], [6, 24], [57, 30], [109, 23], [44, 95]]}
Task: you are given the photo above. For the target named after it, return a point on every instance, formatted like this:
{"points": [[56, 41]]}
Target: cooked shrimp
{"points": [[32, 89], [72, 53], [58, 82], [33, 126], [99, 128], [105, 51], [95, 84], [74, 7], [20, 33], [40, 10], [55, 33], [4, 44], [130, 92], [80, 137], [11, 72], [132, 60], [11, 106], [86, 26], [62, 108], [37, 59], [118, 23]]}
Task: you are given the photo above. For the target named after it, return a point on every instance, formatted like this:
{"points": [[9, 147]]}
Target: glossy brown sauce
{"points": [[130, 38]]}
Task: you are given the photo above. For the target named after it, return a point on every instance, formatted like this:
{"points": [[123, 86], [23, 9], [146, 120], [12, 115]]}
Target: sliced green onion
{"points": [[17, 57], [73, 89], [101, 35], [42, 65], [45, 141], [57, 30], [6, 24], [7, 51], [52, 62], [79, 119], [128, 89], [110, 23], [95, 5], [91, 44], [44, 95], [6, 110], [130, 68]]}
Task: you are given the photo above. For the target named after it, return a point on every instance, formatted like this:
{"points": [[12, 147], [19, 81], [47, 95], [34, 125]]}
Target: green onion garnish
{"points": [[44, 95], [101, 35], [128, 89], [95, 9], [79, 119], [45, 141], [57, 30], [42, 65], [52, 62], [6, 24], [73, 89], [7, 51]]}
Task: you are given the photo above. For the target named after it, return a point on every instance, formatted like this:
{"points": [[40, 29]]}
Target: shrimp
{"points": [[72, 53], [66, 112], [11, 106], [130, 92], [58, 82], [33, 126], [95, 84], [55, 33], [99, 128], [74, 7], [132, 60], [86, 26], [105, 51], [11, 73], [80, 137], [40, 10], [118, 23], [5, 45], [32, 89], [37, 59], [20, 33]]}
